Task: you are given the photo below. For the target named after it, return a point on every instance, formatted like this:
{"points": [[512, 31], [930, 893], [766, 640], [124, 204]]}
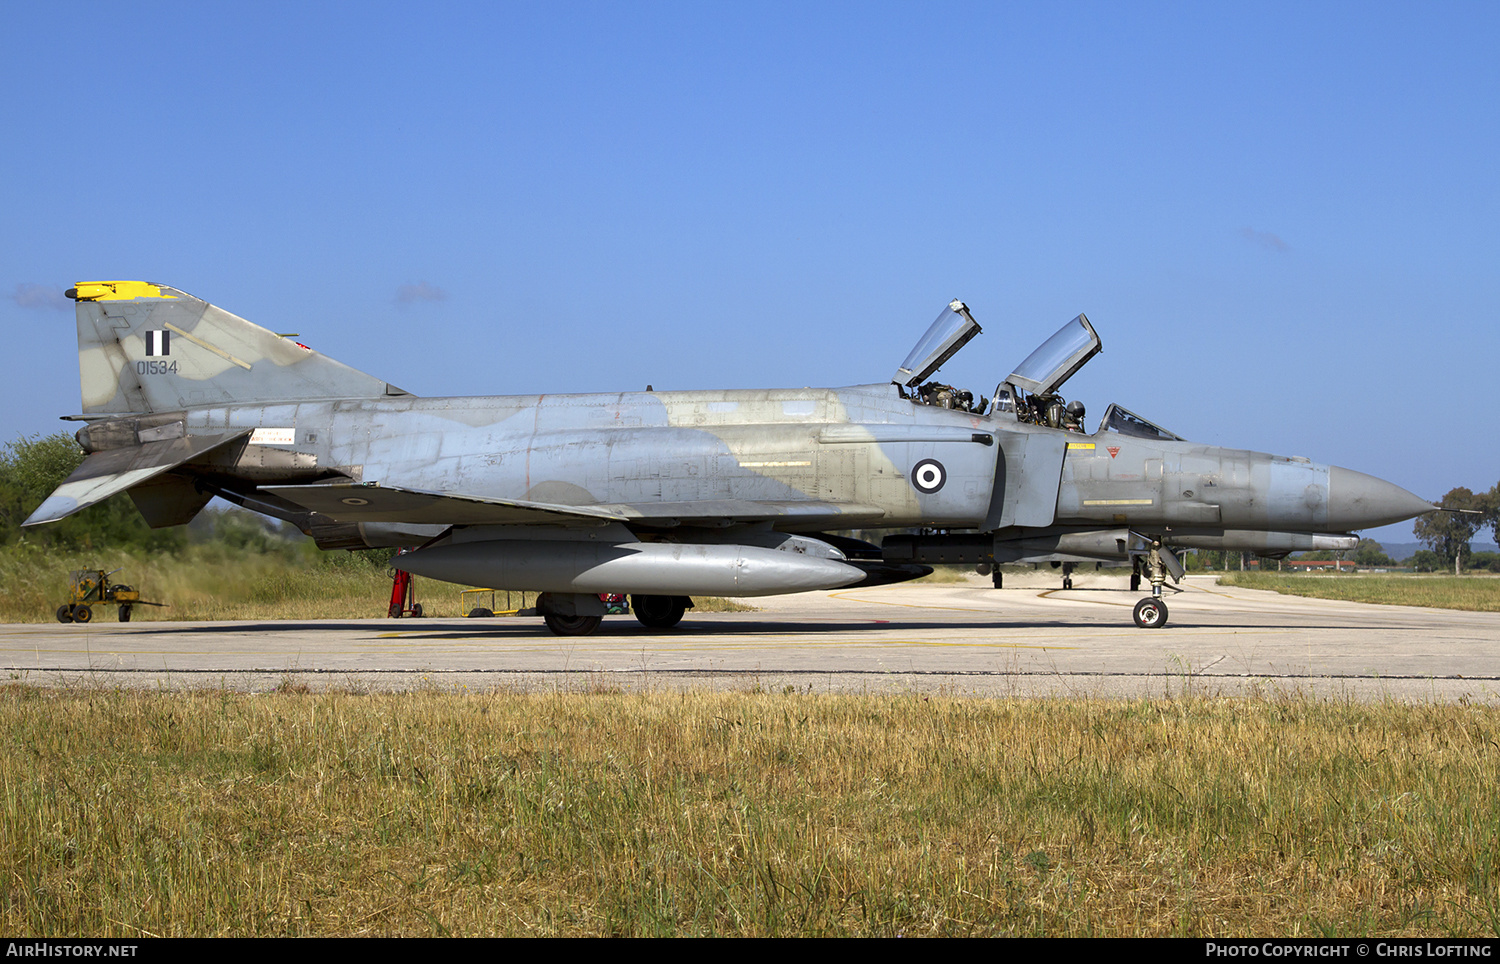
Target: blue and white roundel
{"points": [[928, 475]]}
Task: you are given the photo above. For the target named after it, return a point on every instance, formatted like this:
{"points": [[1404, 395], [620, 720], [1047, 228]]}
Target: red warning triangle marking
{"points": [[1113, 450]]}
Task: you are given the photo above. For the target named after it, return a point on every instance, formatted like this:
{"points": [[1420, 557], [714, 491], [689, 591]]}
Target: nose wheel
{"points": [[1151, 614]]}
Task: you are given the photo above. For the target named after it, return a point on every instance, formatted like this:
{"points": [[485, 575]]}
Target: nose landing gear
{"points": [[1152, 613]]}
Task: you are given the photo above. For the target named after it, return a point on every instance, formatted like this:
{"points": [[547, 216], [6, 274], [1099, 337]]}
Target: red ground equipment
{"points": [[401, 593]]}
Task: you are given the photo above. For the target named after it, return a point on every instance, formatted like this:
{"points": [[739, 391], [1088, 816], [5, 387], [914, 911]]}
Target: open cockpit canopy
{"points": [[1030, 394], [1042, 373], [1058, 358], [952, 330]]}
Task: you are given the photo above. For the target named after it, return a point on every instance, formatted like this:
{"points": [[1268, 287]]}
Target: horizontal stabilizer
{"points": [[105, 473], [376, 503]]}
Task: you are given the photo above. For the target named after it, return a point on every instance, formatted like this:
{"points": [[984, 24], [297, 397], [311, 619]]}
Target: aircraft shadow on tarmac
{"points": [[459, 628]]}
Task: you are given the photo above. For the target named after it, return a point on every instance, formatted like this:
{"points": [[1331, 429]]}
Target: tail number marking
{"points": [[155, 368]]}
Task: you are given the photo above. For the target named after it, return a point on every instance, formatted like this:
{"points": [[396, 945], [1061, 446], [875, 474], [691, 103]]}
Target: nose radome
{"points": [[1360, 501]]}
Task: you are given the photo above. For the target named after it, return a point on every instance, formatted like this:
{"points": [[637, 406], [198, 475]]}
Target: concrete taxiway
{"points": [[963, 639]]}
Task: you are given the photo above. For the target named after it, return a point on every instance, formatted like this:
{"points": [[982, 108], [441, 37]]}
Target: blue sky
{"points": [[1281, 218]]}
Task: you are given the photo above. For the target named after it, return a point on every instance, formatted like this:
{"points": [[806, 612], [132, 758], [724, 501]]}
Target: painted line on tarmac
{"points": [[693, 644]]}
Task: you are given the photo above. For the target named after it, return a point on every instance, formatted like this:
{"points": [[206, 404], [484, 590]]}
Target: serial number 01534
{"points": [[155, 368]]}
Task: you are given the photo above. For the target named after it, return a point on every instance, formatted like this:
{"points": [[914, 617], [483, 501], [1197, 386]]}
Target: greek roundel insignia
{"points": [[928, 475]]}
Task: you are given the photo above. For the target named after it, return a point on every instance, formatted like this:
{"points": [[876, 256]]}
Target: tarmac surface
{"points": [[963, 639]]}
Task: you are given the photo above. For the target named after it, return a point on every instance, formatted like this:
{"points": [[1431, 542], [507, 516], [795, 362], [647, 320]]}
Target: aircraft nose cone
{"points": [[1360, 501]]}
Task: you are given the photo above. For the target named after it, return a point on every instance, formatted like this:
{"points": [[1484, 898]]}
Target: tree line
{"points": [[1448, 534]]}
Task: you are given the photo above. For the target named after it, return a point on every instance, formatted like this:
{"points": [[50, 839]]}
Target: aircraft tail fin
{"points": [[146, 348]]}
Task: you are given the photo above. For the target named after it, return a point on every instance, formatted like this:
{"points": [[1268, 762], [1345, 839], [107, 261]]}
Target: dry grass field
{"points": [[216, 813], [1435, 590], [214, 582]]}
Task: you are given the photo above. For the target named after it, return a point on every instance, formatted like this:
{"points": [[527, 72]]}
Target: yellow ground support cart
{"points": [[91, 587], [480, 603]]}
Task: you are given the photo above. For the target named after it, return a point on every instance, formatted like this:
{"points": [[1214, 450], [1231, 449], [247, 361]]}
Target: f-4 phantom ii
{"points": [[667, 495]]}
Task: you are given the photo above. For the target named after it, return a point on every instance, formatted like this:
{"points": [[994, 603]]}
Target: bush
{"points": [[31, 467]]}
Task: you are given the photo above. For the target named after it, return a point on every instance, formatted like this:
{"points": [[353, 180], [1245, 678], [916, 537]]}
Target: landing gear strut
{"points": [[1151, 613], [1067, 569]]}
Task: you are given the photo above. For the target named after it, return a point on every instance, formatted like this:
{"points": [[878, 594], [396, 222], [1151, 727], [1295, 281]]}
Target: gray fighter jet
{"points": [[667, 495]]}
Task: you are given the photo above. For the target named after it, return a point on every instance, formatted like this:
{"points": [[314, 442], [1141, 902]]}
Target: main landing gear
{"points": [[578, 614], [659, 612], [571, 625]]}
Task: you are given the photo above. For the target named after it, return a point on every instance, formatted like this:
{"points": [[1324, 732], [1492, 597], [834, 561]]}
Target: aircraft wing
{"points": [[103, 474], [381, 503]]}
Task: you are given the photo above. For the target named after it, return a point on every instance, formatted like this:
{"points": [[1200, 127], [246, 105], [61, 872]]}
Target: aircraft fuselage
{"points": [[853, 447]]}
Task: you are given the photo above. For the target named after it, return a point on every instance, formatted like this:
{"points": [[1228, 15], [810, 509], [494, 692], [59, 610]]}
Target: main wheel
{"points": [[65, 613], [572, 625], [1067, 582], [124, 614], [1151, 614], [82, 614], [658, 612]]}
